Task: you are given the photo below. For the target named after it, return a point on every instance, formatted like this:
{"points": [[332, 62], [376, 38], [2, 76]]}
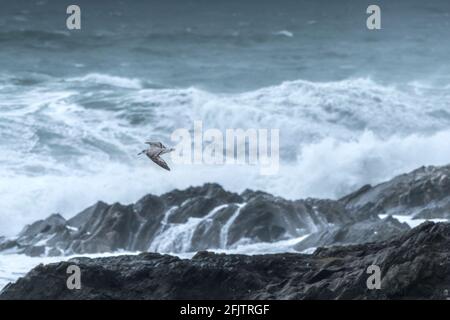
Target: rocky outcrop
{"points": [[422, 193], [368, 230], [415, 265], [209, 217], [194, 219]]}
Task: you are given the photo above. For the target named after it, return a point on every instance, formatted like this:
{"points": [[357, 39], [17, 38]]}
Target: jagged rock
{"points": [[209, 217], [422, 193], [208, 234], [52, 224], [268, 218], [82, 218], [197, 218], [415, 265], [34, 251], [369, 230], [108, 228]]}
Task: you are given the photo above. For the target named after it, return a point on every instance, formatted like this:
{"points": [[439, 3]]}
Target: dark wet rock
{"points": [[52, 224], [82, 218], [107, 228], [197, 218], [414, 265], [209, 217], [370, 230], [34, 251], [208, 190], [267, 218], [208, 234], [423, 193]]}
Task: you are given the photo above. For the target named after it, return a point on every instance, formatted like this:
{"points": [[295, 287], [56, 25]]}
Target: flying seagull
{"points": [[154, 151]]}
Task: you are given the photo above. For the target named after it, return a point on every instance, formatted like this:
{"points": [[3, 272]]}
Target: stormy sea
{"points": [[353, 108]]}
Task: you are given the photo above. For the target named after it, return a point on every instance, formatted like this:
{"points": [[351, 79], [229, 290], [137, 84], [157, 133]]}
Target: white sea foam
{"points": [[178, 237], [263, 247], [248, 247], [226, 228]]}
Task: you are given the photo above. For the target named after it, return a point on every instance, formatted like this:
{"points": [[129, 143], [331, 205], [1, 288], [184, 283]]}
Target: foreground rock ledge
{"points": [[415, 265]]}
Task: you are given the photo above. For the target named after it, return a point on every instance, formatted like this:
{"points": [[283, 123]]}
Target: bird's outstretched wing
{"points": [[160, 162], [155, 144]]}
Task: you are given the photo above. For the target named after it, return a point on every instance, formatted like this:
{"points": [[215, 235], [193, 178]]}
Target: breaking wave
{"points": [[66, 143]]}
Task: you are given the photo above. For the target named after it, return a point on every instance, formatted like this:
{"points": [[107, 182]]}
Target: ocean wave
{"points": [[115, 81], [66, 144], [73, 112]]}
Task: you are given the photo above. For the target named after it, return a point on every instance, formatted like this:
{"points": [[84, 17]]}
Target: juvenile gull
{"points": [[154, 151]]}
